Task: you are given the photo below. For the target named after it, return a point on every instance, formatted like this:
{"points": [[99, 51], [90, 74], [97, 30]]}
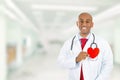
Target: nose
{"points": [[84, 24]]}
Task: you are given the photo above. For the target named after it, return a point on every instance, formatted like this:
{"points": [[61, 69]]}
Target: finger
{"points": [[86, 55], [84, 58]]}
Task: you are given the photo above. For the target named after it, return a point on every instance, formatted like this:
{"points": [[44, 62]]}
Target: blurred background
{"points": [[33, 31]]}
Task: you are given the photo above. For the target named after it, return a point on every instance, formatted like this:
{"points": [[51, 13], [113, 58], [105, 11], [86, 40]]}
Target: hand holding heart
{"points": [[82, 55], [92, 53]]}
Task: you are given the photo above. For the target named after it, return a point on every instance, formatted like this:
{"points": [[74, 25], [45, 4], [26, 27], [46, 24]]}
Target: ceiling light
{"points": [[63, 7], [115, 10]]}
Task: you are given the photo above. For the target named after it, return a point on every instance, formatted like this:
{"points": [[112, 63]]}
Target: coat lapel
{"points": [[77, 45]]}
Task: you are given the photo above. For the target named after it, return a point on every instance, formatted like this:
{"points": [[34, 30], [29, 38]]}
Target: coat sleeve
{"points": [[107, 63], [65, 58]]}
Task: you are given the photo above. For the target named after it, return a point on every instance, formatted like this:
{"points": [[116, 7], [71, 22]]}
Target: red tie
{"points": [[83, 42]]}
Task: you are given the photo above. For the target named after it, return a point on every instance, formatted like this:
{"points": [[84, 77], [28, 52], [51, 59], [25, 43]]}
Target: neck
{"points": [[84, 34]]}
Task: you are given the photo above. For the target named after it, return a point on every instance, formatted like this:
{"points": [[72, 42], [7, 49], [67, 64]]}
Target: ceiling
{"points": [[51, 17]]}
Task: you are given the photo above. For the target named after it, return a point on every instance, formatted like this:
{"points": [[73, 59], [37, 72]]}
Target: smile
{"points": [[84, 28]]}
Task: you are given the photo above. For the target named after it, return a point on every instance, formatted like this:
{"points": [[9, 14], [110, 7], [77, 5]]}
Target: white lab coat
{"points": [[98, 68]]}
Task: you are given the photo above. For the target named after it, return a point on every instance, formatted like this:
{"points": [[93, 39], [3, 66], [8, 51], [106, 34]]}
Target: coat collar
{"points": [[88, 43], [78, 37]]}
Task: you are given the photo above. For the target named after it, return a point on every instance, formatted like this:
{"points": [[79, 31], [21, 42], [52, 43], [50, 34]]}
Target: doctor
{"points": [[87, 56]]}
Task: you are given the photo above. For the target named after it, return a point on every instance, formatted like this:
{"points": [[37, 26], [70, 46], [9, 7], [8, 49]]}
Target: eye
{"points": [[87, 21], [81, 21]]}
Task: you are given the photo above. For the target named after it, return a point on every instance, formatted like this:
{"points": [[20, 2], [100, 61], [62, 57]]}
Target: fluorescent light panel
{"points": [[24, 18], [10, 14], [62, 7], [115, 10]]}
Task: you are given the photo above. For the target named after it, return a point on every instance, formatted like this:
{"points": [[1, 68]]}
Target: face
{"points": [[85, 23]]}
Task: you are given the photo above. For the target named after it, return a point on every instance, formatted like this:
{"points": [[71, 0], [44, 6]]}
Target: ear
{"points": [[77, 23], [92, 25]]}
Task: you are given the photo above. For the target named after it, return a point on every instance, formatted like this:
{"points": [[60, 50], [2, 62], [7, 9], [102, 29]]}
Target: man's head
{"points": [[84, 23]]}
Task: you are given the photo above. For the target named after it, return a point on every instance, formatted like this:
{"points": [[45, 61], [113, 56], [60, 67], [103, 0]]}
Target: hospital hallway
{"points": [[44, 67], [32, 33]]}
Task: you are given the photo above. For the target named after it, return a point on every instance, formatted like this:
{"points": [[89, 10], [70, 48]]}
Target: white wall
{"points": [[3, 65]]}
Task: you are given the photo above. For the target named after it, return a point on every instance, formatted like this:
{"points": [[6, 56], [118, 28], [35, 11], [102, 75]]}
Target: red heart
{"points": [[93, 52]]}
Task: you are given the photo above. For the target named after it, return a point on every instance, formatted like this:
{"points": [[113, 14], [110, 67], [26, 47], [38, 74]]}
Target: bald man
{"points": [[86, 56]]}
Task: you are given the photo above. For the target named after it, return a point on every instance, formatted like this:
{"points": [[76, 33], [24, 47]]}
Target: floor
{"points": [[44, 67]]}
